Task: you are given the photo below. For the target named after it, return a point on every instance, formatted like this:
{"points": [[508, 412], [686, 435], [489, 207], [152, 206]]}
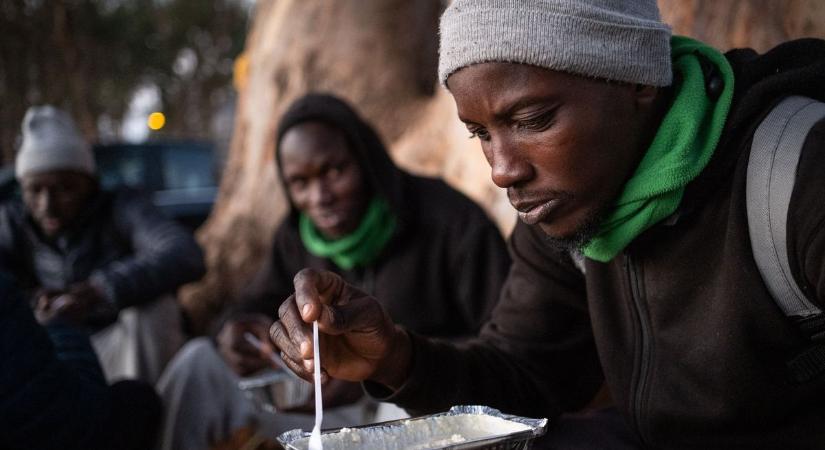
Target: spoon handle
{"points": [[315, 437]]}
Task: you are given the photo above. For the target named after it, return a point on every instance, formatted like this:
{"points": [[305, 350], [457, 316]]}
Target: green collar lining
{"points": [[359, 248], [681, 149]]}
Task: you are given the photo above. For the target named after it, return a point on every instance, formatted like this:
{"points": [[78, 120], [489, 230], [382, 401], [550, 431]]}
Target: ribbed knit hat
{"points": [[51, 141], [620, 40]]}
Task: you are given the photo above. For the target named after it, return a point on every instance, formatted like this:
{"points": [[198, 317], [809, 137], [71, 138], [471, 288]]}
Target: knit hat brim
{"points": [[610, 46]]}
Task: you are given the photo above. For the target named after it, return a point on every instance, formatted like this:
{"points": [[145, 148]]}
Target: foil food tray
{"points": [[428, 435]]}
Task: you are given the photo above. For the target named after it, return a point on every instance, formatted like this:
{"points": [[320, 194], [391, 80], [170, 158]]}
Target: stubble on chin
{"points": [[584, 232]]}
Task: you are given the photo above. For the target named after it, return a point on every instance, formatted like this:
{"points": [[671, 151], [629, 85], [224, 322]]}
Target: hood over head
{"points": [[382, 175]]}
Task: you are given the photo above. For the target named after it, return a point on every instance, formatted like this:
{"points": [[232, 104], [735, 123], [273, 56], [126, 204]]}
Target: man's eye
{"points": [[538, 123], [297, 183], [335, 172], [479, 133]]}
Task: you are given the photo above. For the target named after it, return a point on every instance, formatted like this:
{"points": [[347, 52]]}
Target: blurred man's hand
{"points": [[63, 307], [239, 354], [72, 305]]}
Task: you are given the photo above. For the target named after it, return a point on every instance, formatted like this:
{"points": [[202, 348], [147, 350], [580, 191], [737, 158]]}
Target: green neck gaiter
{"points": [[360, 247], [681, 149]]}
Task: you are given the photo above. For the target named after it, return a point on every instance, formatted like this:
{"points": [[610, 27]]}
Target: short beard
{"points": [[584, 232]]}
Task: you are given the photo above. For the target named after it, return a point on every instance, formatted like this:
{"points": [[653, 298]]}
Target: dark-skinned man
{"points": [[108, 260], [625, 152], [429, 253]]}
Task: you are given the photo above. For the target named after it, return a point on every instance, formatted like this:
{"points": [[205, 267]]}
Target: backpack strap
{"points": [[770, 182]]}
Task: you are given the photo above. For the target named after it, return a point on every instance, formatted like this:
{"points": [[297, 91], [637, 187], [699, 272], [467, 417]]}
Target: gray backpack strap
{"points": [[770, 182], [771, 179]]}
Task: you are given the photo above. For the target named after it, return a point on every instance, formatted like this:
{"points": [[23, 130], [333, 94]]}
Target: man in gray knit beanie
{"points": [[51, 141], [634, 314], [54, 153], [594, 69], [103, 260]]}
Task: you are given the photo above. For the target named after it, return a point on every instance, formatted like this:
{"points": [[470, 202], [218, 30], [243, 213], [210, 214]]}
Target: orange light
{"points": [[156, 121], [240, 71]]}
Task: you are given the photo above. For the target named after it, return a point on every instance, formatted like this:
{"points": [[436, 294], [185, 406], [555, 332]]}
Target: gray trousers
{"points": [[203, 404], [141, 342]]}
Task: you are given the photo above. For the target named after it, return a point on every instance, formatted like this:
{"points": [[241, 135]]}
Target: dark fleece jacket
{"points": [[693, 348], [441, 272]]}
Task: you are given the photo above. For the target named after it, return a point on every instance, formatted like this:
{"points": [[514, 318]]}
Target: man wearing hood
{"points": [[626, 152], [432, 255]]}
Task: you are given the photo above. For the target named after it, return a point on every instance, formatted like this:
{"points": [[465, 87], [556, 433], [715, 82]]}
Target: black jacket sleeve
{"points": [[9, 239], [164, 257], [536, 355]]}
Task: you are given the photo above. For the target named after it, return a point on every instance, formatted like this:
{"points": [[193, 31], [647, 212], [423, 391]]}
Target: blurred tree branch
{"points": [[89, 56]]}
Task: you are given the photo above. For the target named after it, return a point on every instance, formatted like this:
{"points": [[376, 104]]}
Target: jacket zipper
{"points": [[641, 381]]}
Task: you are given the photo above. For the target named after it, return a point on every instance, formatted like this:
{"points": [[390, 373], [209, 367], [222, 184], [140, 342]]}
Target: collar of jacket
{"points": [[793, 68]]}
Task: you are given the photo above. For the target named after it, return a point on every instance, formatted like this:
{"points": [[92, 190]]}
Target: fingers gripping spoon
{"points": [[315, 437]]}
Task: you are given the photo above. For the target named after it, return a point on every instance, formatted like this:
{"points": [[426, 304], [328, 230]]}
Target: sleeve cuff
{"points": [[415, 384], [99, 281]]}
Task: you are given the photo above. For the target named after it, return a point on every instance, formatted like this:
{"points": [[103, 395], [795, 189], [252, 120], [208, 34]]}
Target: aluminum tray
{"points": [[517, 440]]}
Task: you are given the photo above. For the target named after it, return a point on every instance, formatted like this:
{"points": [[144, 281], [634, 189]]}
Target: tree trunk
{"points": [[759, 24], [381, 55]]}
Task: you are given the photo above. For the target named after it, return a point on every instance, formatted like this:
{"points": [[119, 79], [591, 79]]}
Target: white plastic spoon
{"points": [[315, 437]]}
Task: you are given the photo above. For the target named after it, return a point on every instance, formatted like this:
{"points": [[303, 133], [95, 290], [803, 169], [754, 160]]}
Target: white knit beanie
{"points": [[51, 141], [620, 40]]}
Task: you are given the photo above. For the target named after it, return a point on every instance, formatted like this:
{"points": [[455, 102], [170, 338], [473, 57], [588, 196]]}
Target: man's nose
{"points": [[319, 193], [46, 201], [509, 166]]}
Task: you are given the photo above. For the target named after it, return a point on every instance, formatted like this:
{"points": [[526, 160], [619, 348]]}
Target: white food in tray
{"points": [[419, 434]]}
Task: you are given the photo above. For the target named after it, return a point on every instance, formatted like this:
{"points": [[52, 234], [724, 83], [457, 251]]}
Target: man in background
{"points": [[110, 260]]}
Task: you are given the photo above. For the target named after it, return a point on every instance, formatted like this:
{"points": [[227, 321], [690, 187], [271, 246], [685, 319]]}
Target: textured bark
{"points": [[759, 24], [381, 55]]}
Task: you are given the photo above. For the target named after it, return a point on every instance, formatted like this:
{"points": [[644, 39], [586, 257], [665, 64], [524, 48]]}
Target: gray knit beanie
{"points": [[51, 141], [620, 40]]}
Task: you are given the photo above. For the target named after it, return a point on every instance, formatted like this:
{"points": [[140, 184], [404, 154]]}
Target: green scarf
{"points": [[360, 247], [681, 149]]}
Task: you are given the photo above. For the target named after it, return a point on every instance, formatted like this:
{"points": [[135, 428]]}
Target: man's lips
{"points": [[535, 212], [50, 223], [328, 218]]}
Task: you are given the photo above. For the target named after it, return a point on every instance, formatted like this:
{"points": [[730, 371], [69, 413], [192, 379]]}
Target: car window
{"points": [[127, 166], [187, 168]]}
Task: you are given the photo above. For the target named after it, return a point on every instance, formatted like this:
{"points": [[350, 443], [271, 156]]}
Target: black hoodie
{"points": [[680, 325], [441, 272]]}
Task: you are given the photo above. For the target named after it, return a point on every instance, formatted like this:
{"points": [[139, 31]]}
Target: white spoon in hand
{"points": [[315, 437]]}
